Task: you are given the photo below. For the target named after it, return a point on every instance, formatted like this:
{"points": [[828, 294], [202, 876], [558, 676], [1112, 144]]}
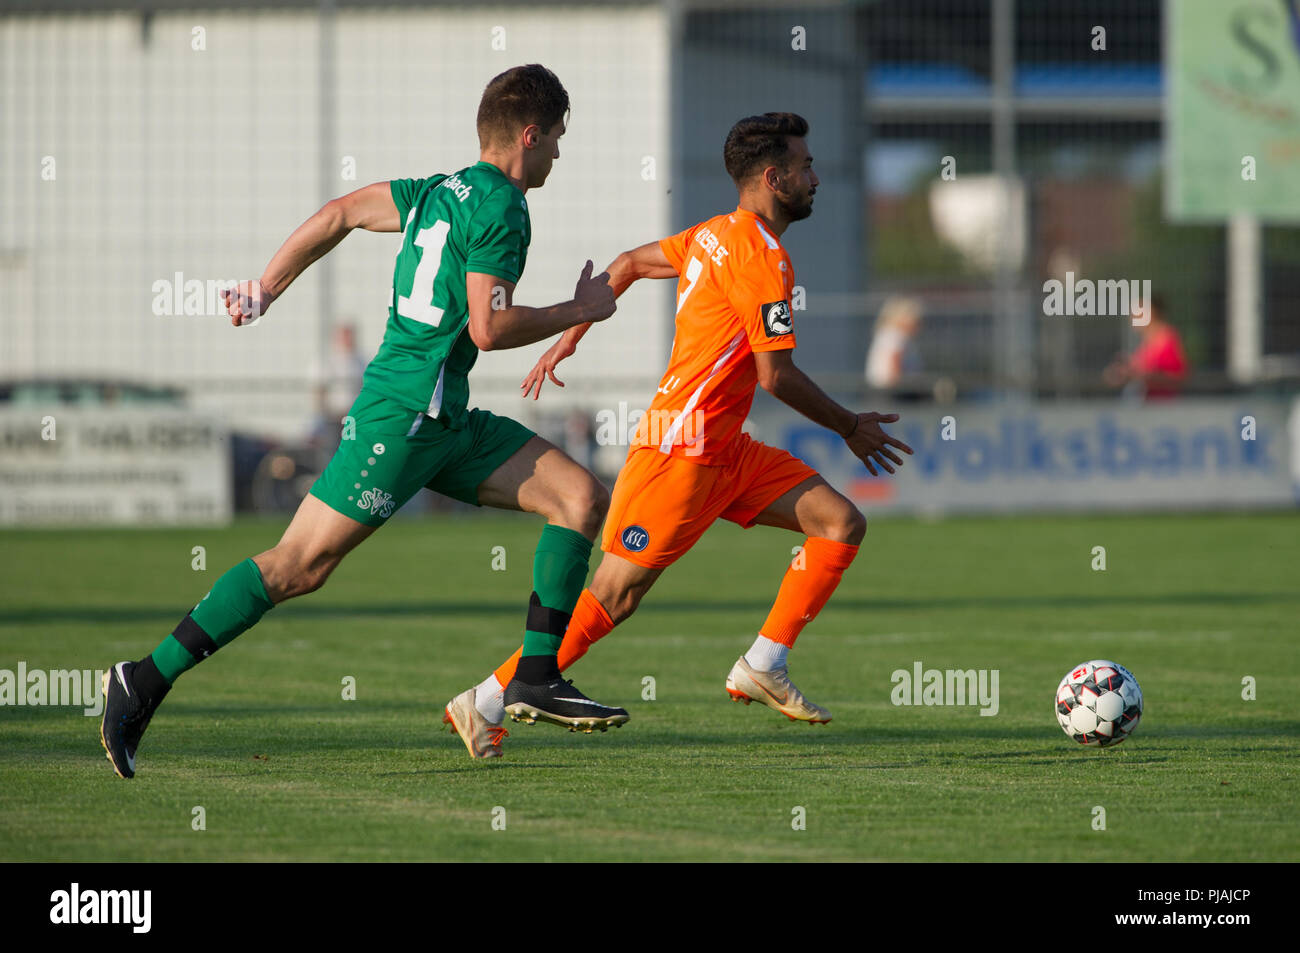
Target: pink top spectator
{"points": [[1161, 352]]}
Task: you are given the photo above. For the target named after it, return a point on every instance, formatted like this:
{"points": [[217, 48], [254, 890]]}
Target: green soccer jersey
{"points": [[474, 220]]}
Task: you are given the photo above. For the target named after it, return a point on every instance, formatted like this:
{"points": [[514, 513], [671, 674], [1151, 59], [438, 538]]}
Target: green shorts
{"points": [[391, 452]]}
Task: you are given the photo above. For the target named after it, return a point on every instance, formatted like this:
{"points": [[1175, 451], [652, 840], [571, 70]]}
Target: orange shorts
{"points": [[662, 504]]}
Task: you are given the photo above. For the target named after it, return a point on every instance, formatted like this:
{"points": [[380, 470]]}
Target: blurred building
{"points": [[153, 149], [970, 151]]}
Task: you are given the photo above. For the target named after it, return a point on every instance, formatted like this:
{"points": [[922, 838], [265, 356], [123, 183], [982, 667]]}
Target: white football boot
{"points": [[481, 737], [775, 690]]}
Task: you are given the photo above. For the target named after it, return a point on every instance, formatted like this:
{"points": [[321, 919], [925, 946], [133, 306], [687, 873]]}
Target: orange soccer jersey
{"points": [[690, 463], [733, 298]]}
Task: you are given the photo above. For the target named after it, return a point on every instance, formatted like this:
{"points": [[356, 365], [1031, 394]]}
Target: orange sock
{"points": [[804, 591], [590, 623]]}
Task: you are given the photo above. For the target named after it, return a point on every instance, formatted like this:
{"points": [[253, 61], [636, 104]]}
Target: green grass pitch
{"points": [[284, 768]]}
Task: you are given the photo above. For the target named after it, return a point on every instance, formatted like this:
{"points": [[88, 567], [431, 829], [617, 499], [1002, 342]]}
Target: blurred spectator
{"points": [[1157, 368], [579, 437], [892, 353], [344, 369]]}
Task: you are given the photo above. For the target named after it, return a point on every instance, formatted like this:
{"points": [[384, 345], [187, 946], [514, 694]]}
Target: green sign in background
{"points": [[1233, 71]]}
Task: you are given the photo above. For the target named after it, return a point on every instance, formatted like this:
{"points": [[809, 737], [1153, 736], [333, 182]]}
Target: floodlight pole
{"points": [[1245, 278], [328, 170], [1010, 329]]}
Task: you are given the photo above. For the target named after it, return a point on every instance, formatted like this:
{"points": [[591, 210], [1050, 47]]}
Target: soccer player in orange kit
{"points": [[690, 463]]}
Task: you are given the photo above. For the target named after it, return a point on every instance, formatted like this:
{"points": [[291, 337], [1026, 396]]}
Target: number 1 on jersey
{"points": [[419, 306]]}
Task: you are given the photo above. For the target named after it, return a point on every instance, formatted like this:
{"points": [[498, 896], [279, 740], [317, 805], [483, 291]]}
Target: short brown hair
{"points": [[517, 98], [757, 142]]}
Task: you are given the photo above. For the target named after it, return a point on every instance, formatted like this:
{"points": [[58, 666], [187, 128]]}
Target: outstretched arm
{"points": [[370, 208], [778, 375], [497, 323], [645, 261]]}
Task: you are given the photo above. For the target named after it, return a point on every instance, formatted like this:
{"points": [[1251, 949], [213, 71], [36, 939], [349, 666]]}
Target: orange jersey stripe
{"points": [[733, 298]]}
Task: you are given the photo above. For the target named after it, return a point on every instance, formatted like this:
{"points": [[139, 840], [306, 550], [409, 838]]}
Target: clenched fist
{"points": [[246, 302]]}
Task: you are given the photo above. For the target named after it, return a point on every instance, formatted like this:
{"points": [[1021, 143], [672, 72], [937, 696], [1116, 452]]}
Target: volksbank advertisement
{"points": [[1194, 453]]}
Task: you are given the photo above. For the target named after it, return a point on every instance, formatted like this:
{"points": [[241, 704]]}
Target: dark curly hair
{"points": [[757, 142]]}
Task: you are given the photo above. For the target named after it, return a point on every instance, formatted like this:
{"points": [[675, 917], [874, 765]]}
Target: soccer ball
{"points": [[1098, 702]]}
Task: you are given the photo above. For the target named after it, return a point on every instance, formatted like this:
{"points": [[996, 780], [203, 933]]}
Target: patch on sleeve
{"points": [[776, 318]]}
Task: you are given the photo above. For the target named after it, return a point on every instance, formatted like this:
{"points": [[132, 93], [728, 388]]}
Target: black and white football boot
{"points": [[126, 716], [560, 703]]}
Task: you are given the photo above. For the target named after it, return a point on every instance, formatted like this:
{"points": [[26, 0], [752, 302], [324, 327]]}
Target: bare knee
{"points": [[582, 507], [846, 525], [288, 572]]}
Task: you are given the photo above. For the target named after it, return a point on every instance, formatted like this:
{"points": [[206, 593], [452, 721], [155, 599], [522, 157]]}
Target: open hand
{"points": [[545, 367], [871, 444]]}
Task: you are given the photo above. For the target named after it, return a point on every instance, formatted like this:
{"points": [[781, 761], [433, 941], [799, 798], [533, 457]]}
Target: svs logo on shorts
{"points": [[635, 539], [377, 501], [776, 319]]}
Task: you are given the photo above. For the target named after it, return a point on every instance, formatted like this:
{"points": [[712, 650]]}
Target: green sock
{"points": [[559, 571], [235, 604]]}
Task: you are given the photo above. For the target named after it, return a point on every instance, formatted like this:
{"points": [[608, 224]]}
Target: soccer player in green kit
{"points": [[464, 243]]}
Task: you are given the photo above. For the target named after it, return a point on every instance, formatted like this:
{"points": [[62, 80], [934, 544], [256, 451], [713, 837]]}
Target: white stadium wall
{"points": [[129, 157]]}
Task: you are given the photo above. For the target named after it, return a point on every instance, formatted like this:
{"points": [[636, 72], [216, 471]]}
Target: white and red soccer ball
{"points": [[1099, 703]]}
